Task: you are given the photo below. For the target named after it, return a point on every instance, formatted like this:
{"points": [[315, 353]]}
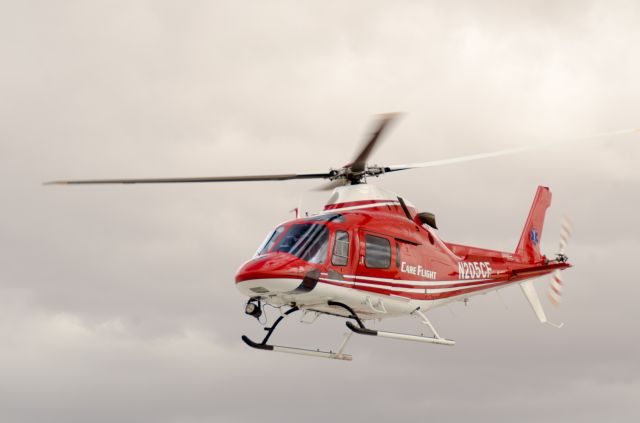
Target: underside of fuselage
{"points": [[368, 298]]}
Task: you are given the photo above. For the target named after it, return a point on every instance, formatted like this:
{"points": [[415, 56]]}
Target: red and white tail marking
{"points": [[555, 286], [565, 234]]}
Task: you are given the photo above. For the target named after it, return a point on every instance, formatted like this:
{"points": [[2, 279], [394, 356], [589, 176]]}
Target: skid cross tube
{"points": [[350, 310], [278, 320], [263, 345]]}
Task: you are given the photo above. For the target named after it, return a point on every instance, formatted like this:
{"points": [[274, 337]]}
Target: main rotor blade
{"points": [[505, 152], [359, 163], [328, 186], [250, 178]]}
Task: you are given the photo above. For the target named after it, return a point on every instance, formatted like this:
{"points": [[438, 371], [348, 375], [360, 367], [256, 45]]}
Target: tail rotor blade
{"points": [[555, 289], [555, 286], [565, 234]]}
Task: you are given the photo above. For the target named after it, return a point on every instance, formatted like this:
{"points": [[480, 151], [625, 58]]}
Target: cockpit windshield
{"points": [[269, 241], [307, 241]]}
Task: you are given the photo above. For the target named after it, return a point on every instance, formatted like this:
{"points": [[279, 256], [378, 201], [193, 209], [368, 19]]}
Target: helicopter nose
{"points": [[268, 286], [275, 275]]}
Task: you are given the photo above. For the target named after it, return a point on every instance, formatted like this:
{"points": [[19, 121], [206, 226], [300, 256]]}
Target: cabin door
{"points": [[375, 255]]}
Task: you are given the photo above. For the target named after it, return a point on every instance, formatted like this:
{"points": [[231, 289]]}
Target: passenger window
{"points": [[378, 252], [340, 255], [398, 254]]}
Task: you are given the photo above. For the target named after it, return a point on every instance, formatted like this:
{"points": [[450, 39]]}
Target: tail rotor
{"points": [[555, 286], [555, 289]]}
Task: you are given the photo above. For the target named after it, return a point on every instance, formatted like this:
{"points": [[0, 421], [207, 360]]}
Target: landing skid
{"points": [[362, 330], [359, 329], [400, 336], [300, 351], [339, 355]]}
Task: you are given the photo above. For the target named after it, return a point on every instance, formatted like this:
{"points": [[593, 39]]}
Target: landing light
{"points": [[253, 308]]}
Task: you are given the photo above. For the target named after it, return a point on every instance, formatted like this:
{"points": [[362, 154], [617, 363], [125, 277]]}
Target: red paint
{"points": [[420, 249]]}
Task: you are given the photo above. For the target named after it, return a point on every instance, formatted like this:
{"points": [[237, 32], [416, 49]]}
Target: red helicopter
{"points": [[371, 254]]}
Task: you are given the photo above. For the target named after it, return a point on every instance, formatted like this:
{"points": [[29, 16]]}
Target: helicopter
{"points": [[371, 254]]}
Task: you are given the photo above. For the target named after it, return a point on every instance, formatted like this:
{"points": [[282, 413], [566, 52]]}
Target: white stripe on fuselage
{"points": [[362, 206], [426, 290], [413, 282]]}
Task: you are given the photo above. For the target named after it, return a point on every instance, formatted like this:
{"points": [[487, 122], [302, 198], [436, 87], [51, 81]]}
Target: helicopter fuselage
{"points": [[368, 249]]}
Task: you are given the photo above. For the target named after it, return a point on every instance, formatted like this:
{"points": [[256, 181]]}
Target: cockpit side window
{"points": [[340, 255], [377, 252], [307, 241], [269, 241]]}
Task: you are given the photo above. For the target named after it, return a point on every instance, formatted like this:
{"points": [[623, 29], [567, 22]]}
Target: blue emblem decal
{"points": [[533, 236]]}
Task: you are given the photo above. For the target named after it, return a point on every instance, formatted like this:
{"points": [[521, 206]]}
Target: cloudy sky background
{"points": [[117, 303]]}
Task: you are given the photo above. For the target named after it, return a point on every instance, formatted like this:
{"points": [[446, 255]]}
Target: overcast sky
{"points": [[117, 303]]}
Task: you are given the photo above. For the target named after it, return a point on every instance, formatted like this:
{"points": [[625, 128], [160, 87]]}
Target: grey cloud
{"points": [[117, 303]]}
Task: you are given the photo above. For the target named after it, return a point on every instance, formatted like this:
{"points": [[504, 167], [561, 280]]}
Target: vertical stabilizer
{"points": [[530, 294], [528, 249], [532, 297]]}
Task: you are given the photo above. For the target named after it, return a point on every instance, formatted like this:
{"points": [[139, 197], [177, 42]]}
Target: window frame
{"points": [[335, 244], [366, 251], [304, 240], [270, 241]]}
